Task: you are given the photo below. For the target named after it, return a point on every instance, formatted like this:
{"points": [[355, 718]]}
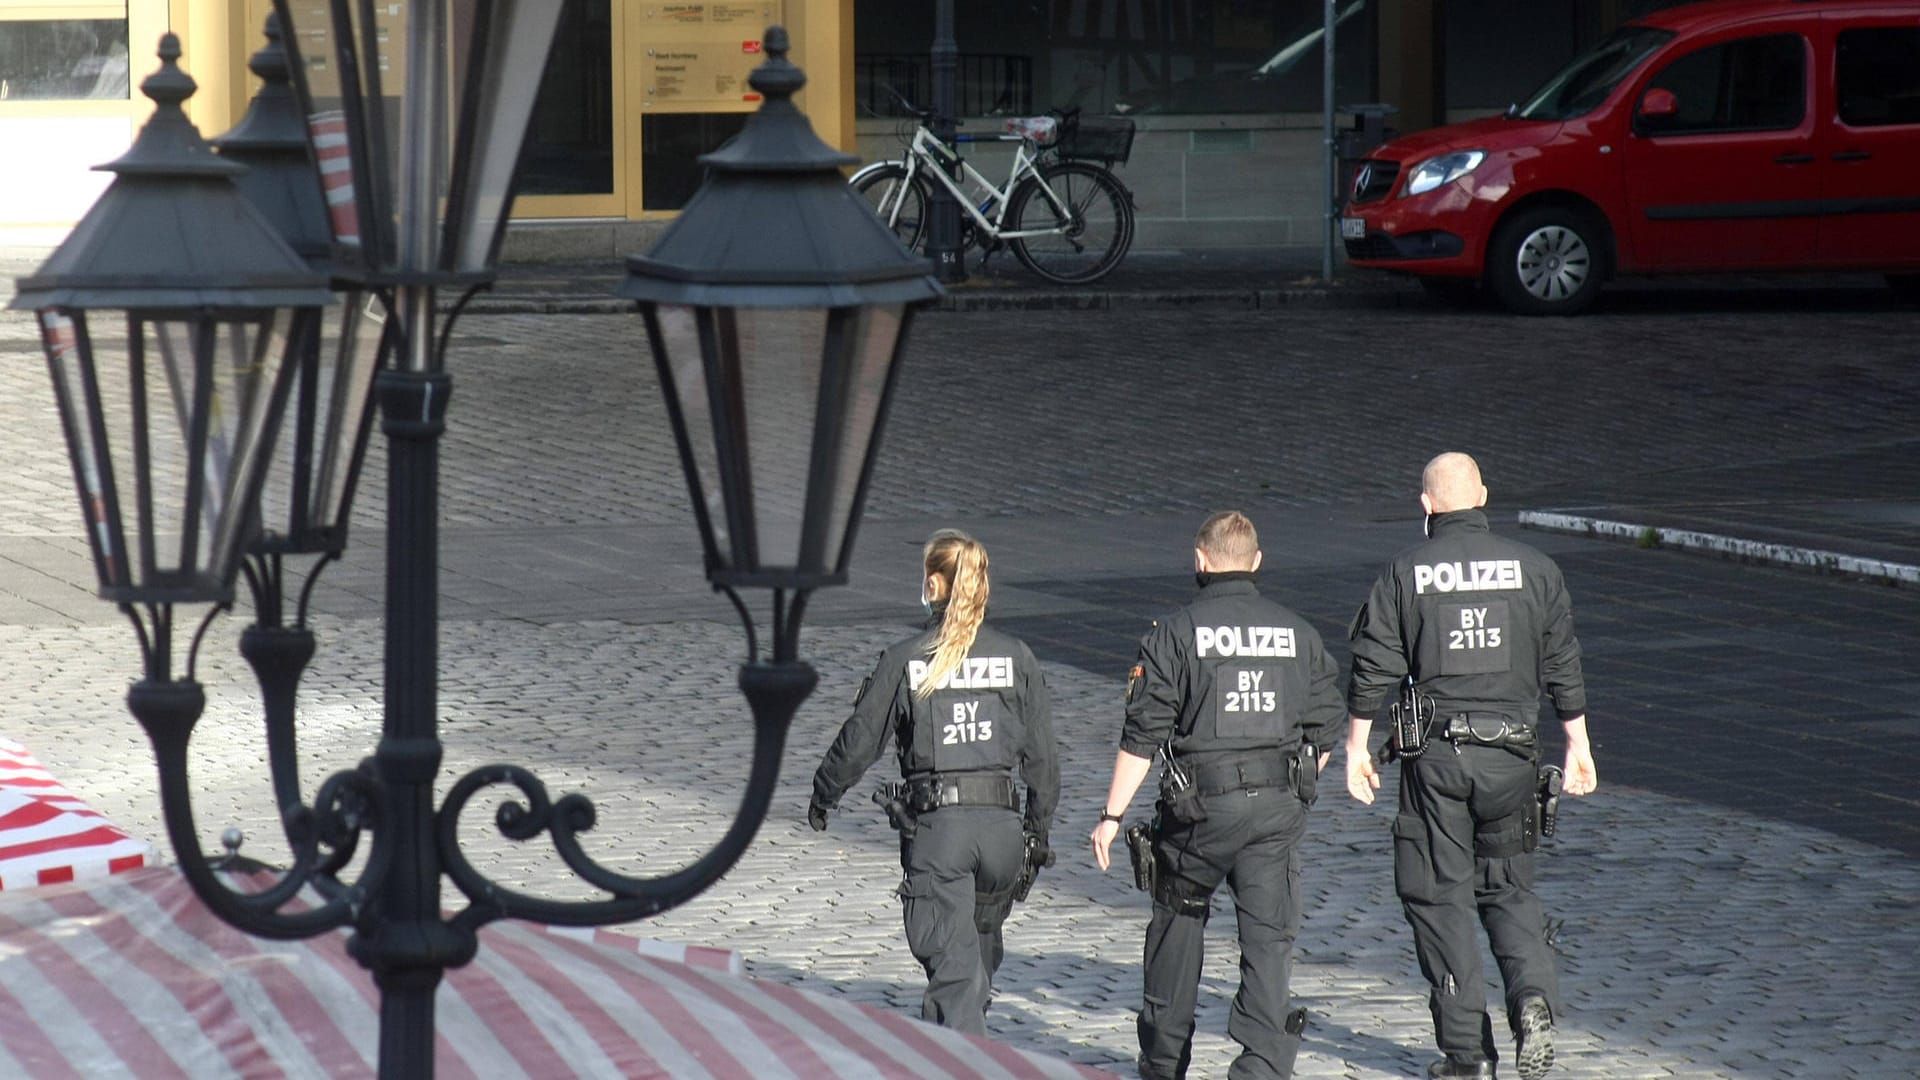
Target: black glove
{"points": [[817, 816]]}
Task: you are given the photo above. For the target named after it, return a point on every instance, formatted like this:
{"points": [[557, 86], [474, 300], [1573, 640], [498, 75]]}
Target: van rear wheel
{"points": [[1545, 261]]}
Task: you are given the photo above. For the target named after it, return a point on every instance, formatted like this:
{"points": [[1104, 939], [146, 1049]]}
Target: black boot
{"points": [[1533, 1053], [1449, 1069]]}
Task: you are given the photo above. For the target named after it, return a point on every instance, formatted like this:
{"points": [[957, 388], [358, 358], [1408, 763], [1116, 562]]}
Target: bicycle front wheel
{"points": [[1079, 231], [900, 201]]}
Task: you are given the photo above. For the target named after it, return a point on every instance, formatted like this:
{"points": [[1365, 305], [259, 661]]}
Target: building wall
{"points": [[1197, 181], [1226, 94]]}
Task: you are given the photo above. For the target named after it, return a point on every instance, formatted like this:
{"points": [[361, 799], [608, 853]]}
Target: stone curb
{"points": [[977, 300], [1800, 558]]}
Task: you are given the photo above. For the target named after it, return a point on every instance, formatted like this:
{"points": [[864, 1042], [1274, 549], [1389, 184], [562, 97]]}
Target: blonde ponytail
{"points": [[958, 563]]}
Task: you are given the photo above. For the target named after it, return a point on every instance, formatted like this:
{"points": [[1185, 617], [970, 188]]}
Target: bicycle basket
{"points": [[1106, 139]]}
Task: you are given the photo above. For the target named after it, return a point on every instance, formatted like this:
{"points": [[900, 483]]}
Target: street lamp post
{"points": [[776, 310]]}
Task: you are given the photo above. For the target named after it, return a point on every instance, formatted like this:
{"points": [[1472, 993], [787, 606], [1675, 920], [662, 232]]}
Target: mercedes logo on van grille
{"points": [[1365, 179]]}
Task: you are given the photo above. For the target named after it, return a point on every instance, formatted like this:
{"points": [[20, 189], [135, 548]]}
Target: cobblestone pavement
{"points": [[1737, 900], [1696, 943]]}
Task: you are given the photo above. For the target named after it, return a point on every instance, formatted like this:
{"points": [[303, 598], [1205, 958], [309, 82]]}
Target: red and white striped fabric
{"points": [[133, 976], [49, 836], [334, 156], [702, 956]]}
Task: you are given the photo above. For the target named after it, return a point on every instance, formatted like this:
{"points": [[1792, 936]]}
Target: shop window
{"points": [[63, 59], [1119, 56], [1878, 71], [670, 146], [569, 148]]}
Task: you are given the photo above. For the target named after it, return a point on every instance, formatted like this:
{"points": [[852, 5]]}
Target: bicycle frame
{"points": [[928, 154]]}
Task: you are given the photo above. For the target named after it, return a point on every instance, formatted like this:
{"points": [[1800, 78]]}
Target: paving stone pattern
{"points": [[1725, 913], [1695, 944]]}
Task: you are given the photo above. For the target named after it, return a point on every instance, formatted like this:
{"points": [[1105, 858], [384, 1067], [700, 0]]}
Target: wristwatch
{"points": [[1118, 819]]}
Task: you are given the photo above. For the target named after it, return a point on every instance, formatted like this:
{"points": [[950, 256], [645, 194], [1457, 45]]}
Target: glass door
{"points": [[571, 165], [690, 63]]}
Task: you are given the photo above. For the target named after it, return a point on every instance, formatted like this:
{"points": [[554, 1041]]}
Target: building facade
{"points": [[1226, 94]]}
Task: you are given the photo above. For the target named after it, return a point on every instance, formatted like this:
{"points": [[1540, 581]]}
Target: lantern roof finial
{"points": [[169, 144]]}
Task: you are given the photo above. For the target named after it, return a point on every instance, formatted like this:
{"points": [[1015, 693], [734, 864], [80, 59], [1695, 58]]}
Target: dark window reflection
{"points": [[1127, 56], [1878, 71], [670, 143], [569, 148], [63, 60]]}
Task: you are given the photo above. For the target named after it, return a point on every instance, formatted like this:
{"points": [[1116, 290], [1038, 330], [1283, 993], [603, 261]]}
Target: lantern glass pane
{"points": [[515, 36], [346, 389], [679, 330], [874, 333], [324, 427], [74, 391], [203, 411], [348, 76], [775, 386]]}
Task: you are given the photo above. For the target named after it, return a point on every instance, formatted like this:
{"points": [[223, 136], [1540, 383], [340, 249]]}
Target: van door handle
{"points": [[1793, 159], [1852, 155]]}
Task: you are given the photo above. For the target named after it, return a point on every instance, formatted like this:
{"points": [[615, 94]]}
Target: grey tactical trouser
{"points": [[961, 869], [1445, 799], [1249, 841]]}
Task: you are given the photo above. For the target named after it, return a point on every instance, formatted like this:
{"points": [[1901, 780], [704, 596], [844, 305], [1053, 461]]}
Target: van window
{"points": [[1752, 84], [1585, 82], [1878, 70]]}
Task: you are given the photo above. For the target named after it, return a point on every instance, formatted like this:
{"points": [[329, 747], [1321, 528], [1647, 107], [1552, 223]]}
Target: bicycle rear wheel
{"points": [[901, 202], [1084, 243]]}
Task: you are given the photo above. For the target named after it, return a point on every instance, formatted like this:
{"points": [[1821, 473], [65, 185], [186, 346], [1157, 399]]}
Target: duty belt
{"points": [[1485, 729], [933, 792], [1253, 771]]}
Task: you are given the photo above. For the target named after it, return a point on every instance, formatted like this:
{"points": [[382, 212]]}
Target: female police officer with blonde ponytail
{"points": [[967, 707]]}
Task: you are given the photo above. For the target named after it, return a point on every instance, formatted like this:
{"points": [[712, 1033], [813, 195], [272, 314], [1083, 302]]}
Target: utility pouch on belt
{"points": [[1179, 795], [1412, 715], [1551, 782], [1306, 773], [1140, 850], [1488, 729]]}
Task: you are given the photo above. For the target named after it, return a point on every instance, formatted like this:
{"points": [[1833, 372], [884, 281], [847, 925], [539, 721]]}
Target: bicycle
{"points": [[1064, 214]]}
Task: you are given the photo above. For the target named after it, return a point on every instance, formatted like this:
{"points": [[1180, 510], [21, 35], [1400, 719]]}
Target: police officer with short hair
{"points": [[1238, 695], [1476, 624], [966, 706]]}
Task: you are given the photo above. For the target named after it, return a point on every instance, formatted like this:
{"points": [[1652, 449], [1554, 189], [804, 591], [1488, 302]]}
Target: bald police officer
{"points": [[1479, 624], [1230, 689]]}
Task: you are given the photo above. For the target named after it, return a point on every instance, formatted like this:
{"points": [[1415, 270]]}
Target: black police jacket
{"points": [[990, 715], [1229, 673], [1480, 622]]}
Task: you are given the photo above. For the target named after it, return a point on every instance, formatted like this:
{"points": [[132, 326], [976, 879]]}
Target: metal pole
{"points": [[1330, 160], [407, 946], [943, 242]]}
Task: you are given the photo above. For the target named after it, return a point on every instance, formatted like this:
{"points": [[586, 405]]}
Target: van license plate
{"points": [[1353, 228]]}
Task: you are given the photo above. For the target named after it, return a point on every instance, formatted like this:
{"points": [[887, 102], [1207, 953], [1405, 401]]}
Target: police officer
{"points": [[1478, 624], [966, 705], [1236, 692]]}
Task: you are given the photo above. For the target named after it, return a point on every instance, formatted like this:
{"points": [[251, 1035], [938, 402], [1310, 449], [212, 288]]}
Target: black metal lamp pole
{"points": [[944, 241], [776, 310]]}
